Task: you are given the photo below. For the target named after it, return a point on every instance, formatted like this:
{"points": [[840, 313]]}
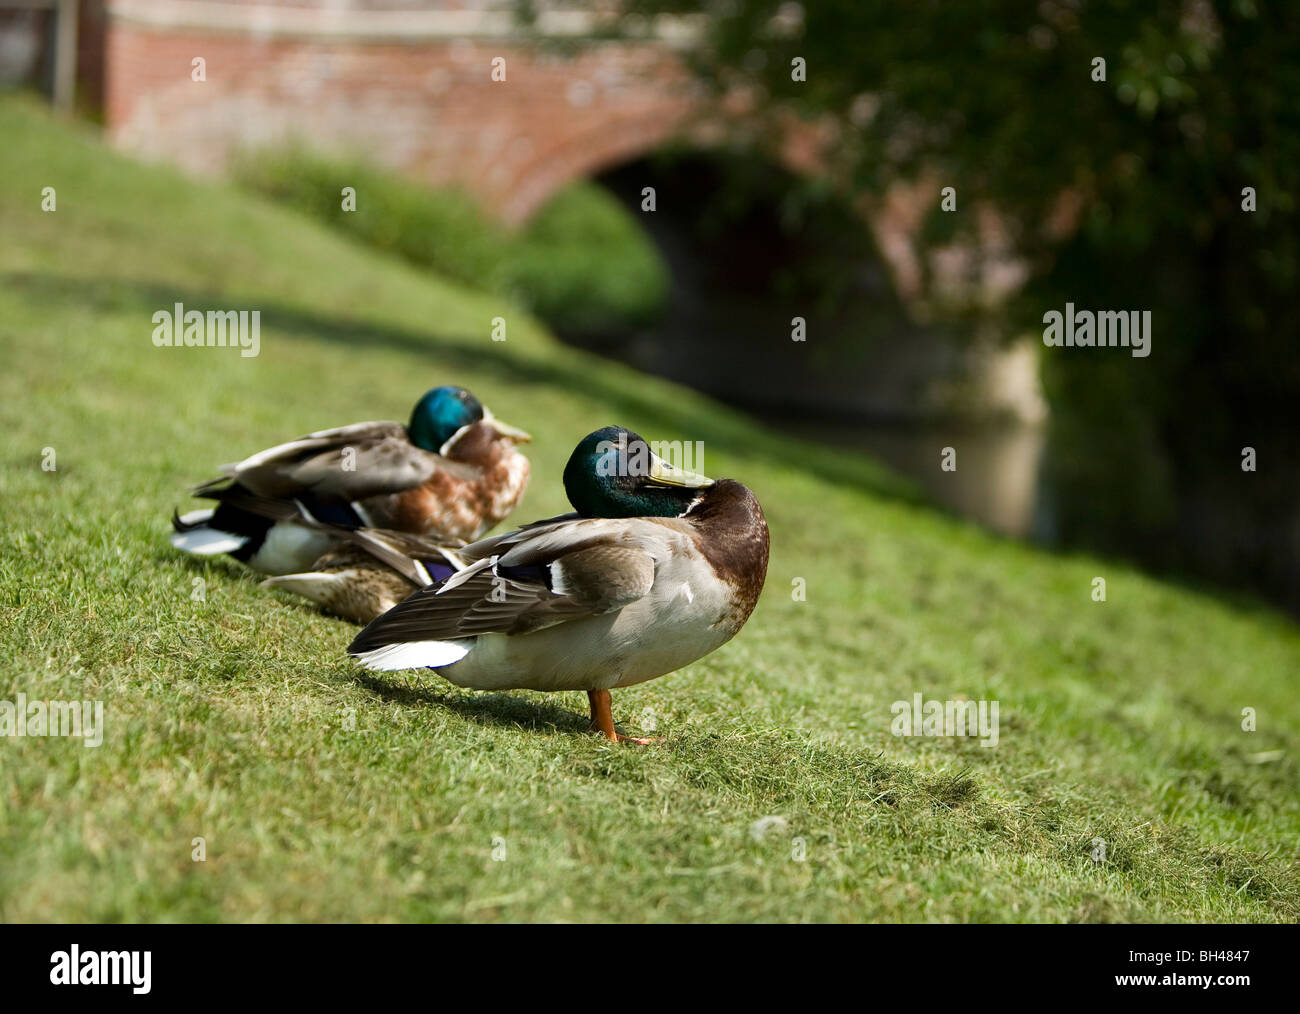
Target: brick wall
{"points": [[415, 100]]}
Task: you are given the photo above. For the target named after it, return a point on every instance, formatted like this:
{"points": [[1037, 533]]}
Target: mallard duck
{"points": [[371, 571], [366, 571], [451, 474], [656, 568]]}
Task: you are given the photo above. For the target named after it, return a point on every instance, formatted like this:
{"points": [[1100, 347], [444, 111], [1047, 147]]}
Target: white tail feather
{"points": [[207, 541], [414, 655], [198, 517]]}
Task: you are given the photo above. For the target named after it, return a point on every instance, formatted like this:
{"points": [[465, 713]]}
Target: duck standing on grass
{"points": [[451, 475], [657, 568]]}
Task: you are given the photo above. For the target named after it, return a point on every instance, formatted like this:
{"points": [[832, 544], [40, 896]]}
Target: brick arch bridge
{"points": [[409, 83]]}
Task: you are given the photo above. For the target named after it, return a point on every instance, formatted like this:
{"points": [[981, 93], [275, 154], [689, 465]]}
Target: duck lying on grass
{"points": [[452, 474], [358, 582], [365, 572], [369, 572], [657, 568]]}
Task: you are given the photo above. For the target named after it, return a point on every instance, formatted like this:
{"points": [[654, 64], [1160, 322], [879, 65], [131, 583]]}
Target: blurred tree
{"points": [[1122, 192]]}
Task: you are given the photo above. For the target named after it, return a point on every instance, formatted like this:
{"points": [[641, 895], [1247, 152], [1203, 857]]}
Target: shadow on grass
{"points": [[564, 370], [503, 709], [567, 369]]}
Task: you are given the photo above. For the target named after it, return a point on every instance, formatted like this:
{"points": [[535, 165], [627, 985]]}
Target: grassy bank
{"points": [[582, 263], [325, 793]]}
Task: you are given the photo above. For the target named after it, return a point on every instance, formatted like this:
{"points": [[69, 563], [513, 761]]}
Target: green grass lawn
{"points": [[326, 793]]}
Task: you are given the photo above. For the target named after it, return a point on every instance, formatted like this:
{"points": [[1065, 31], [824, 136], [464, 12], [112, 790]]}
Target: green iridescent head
{"points": [[445, 412], [613, 473]]}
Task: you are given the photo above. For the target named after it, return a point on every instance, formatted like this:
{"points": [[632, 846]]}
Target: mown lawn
{"points": [[324, 793]]}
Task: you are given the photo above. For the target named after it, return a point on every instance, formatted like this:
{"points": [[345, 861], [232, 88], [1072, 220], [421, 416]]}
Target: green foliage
{"points": [[999, 100], [582, 263], [439, 229]]}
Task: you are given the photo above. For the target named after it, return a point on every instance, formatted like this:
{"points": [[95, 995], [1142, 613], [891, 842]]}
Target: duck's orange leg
{"points": [[602, 720]]}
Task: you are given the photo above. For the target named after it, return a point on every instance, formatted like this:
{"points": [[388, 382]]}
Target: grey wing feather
{"points": [[402, 550], [539, 589], [356, 471], [494, 545], [350, 462]]}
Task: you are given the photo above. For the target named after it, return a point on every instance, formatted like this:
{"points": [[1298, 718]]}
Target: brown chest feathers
{"points": [[460, 507], [731, 533]]}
